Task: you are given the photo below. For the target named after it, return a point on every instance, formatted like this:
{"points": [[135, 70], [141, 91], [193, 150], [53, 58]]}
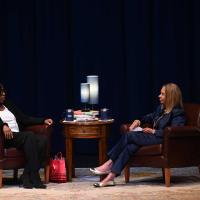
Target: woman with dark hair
{"points": [[169, 113], [34, 147]]}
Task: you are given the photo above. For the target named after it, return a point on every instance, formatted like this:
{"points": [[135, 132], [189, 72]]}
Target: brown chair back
{"points": [[192, 112]]}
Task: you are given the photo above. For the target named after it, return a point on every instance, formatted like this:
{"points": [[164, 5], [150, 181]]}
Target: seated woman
{"points": [[169, 113], [34, 146]]}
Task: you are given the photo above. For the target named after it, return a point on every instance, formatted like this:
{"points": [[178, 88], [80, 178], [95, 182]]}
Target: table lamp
{"points": [[94, 89], [85, 95]]}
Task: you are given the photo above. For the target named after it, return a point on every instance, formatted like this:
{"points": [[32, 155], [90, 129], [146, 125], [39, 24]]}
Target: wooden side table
{"points": [[87, 129]]}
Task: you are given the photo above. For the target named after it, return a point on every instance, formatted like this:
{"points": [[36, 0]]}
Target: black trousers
{"points": [[127, 146], [34, 147]]}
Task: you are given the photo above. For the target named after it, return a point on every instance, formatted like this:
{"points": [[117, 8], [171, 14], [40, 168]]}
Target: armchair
{"points": [[180, 148], [14, 159]]}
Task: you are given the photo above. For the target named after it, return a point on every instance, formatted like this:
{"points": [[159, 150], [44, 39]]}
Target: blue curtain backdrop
{"points": [[48, 47]]}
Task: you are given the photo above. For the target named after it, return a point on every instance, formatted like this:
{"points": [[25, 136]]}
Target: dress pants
{"points": [[127, 146], [34, 147]]}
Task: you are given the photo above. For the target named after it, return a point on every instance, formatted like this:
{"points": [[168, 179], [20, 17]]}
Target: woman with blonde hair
{"points": [[169, 113]]}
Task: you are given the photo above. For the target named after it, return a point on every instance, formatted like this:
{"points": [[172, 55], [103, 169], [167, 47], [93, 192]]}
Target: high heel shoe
{"points": [[97, 172]]}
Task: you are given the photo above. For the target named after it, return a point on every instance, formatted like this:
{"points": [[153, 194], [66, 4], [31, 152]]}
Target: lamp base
{"points": [[93, 107]]}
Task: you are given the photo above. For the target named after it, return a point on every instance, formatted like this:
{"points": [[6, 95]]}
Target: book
{"points": [[86, 116]]}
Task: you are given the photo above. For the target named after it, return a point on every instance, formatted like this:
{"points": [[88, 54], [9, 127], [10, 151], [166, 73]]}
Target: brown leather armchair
{"points": [[180, 148], [14, 159]]}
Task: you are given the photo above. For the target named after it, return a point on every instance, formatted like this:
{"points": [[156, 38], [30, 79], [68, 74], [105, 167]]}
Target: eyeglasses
{"points": [[2, 92]]}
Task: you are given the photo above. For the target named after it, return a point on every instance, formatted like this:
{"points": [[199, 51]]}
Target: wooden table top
{"points": [[88, 122]]}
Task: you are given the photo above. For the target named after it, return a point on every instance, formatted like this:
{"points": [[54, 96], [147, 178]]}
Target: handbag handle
{"points": [[59, 155]]}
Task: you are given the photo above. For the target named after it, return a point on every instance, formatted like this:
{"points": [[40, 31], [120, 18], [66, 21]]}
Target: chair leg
{"points": [[46, 173], [15, 174], [127, 173], [167, 176], [1, 177], [163, 173]]}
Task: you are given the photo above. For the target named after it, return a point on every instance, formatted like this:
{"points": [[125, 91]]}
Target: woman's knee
{"points": [[132, 148], [131, 136], [29, 135], [42, 141]]}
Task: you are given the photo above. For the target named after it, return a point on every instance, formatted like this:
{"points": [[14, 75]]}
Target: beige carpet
{"points": [[146, 183]]}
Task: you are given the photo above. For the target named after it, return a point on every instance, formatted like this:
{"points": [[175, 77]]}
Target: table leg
{"points": [[69, 157], [102, 153]]}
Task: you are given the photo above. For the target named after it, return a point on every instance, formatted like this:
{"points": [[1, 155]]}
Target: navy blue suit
{"points": [[133, 140]]}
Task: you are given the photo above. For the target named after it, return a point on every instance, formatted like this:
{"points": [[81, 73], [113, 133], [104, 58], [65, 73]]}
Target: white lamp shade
{"points": [[85, 92], [94, 89]]}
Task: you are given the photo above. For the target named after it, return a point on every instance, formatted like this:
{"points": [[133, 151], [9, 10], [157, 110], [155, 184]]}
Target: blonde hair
{"points": [[173, 96]]}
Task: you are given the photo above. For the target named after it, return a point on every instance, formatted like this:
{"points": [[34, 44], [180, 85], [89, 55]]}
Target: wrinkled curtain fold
{"points": [[48, 47]]}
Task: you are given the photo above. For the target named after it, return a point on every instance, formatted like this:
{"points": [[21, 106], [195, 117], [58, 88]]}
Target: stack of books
{"points": [[86, 116]]}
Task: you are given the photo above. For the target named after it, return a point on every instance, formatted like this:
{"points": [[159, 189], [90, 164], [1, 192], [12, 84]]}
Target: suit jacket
{"points": [[160, 120], [22, 119]]}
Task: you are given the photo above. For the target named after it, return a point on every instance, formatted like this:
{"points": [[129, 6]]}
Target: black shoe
{"points": [[36, 181], [25, 181], [40, 186]]}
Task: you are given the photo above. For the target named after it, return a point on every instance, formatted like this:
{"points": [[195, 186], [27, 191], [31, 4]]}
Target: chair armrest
{"points": [[181, 132], [181, 146], [41, 129], [1, 144]]}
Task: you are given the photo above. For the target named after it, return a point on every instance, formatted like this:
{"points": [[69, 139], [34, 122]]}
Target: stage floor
{"points": [[145, 184]]}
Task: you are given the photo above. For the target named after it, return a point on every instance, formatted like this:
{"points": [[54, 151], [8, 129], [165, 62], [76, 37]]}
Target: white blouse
{"points": [[8, 117]]}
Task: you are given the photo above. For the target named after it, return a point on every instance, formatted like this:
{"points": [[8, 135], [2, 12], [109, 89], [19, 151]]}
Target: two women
{"points": [[169, 113]]}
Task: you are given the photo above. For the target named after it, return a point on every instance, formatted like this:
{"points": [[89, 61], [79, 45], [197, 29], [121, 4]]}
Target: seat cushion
{"points": [[13, 152], [150, 150]]}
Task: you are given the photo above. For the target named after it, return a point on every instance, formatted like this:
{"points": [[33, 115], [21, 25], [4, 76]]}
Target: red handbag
{"points": [[58, 169]]}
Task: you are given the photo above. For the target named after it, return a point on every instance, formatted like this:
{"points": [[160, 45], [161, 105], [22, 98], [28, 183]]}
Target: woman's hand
{"points": [[135, 124], [149, 130], [7, 132], [48, 122]]}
